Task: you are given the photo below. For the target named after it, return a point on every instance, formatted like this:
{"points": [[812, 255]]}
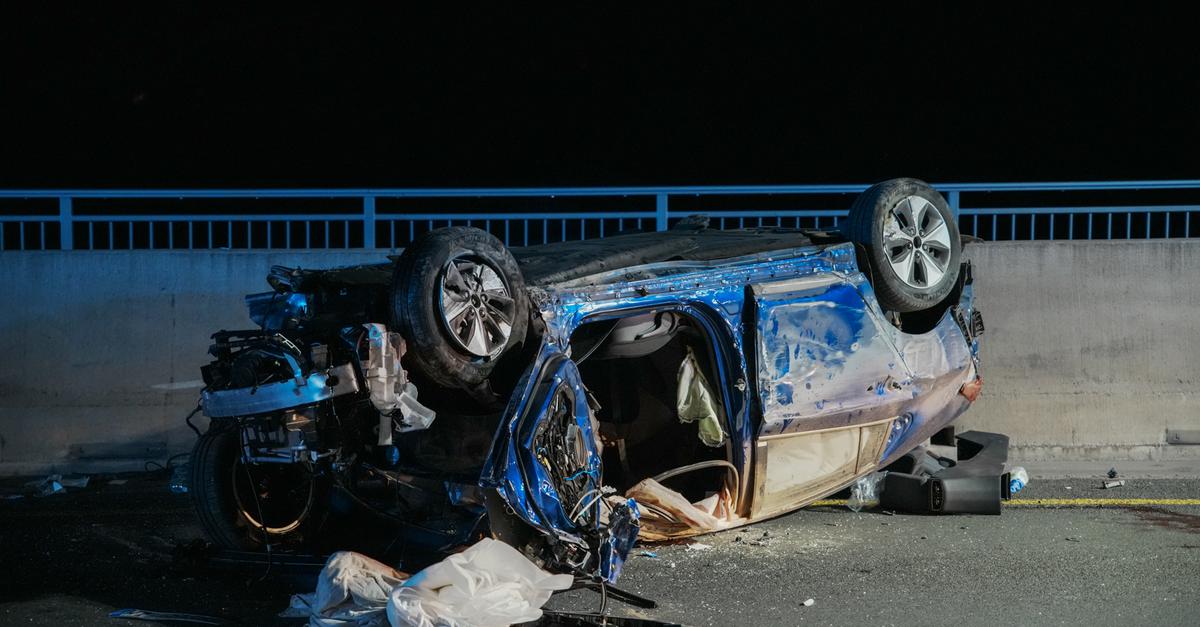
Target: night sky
{"points": [[174, 96]]}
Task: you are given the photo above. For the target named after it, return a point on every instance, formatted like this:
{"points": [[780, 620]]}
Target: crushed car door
{"points": [[829, 381], [545, 465]]}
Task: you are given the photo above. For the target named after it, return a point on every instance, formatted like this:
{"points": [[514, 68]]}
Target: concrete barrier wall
{"points": [[1092, 348], [1087, 352]]}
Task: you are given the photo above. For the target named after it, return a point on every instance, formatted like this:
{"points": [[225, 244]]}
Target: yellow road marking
{"points": [[1098, 502], [1056, 502]]}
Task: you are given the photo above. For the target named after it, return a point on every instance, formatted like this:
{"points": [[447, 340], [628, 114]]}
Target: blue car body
{"points": [[802, 353]]}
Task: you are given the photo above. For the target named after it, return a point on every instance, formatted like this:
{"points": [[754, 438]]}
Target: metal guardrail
{"points": [[390, 218]]}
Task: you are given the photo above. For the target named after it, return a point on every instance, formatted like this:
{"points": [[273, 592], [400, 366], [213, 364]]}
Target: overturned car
{"points": [[571, 397]]}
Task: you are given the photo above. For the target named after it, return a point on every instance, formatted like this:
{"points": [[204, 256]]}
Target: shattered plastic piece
{"points": [[1112, 472], [808, 603], [618, 539], [864, 494], [489, 584], [1018, 479], [179, 479], [352, 589], [45, 487], [168, 617], [698, 546], [695, 401], [1113, 483], [391, 391], [75, 481], [650, 554]]}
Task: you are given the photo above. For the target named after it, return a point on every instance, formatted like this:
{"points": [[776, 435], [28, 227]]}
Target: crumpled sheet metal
{"points": [[511, 467], [823, 340]]}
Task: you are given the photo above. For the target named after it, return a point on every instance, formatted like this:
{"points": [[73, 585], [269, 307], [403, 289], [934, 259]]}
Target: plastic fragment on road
{"points": [[489, 584], [179, 479], [52, 484], [352, 590], [808, 603], [168, 617], [695, 401], [698, 546], [650, 554], [75, 481], [864, 494], [1018, 479], [1113, 483]]}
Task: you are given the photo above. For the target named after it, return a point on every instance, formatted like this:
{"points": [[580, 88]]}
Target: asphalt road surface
{"points": [[70, 559]]}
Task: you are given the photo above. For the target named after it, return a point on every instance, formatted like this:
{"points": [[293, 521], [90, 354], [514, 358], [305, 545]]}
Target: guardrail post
{"points": [[66, 230], [660, 212], [368, 222]]}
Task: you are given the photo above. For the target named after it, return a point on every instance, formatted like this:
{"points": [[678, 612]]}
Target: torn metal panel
{"points": [[270, 397]]}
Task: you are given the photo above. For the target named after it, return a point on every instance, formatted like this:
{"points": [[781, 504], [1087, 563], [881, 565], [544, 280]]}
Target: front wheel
{"points": [[243, 506]]}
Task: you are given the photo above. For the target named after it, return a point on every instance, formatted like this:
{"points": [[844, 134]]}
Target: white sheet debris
{"points": [[352, 590], [489, 584]]}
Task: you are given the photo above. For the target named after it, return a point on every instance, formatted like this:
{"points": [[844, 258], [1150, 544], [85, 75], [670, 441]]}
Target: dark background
{"points": [[170, 95]]}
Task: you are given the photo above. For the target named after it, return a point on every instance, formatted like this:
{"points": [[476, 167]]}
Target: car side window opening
{"points": [[634, 374]]}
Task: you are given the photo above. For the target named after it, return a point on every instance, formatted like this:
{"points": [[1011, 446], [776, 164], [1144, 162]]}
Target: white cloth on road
{"points": [[352, 590], [489, 584]]}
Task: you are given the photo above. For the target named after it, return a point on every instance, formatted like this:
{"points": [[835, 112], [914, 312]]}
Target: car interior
{"points": [[633, 367]]}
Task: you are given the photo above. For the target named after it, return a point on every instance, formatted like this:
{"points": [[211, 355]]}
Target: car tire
{"points": [[216, 480], [458, 299], [909, 238]]}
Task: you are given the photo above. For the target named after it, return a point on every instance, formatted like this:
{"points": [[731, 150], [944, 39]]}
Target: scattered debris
{"points": [[1072, 539], [75, 481], [1112, 472], [1113, 483], [168, 617], [117, 481], [1018, 479], [13, 497], [864, 494], [179, 478], [45, 487], [698, 546], [650, 554], [808, 603]]}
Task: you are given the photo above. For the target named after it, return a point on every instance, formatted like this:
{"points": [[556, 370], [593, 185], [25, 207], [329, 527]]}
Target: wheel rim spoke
{"points": [[903, 265], [933, 273], [476, 306]]}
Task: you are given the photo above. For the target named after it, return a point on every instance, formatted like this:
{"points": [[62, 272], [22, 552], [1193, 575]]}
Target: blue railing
{"points": [[390, 218]]}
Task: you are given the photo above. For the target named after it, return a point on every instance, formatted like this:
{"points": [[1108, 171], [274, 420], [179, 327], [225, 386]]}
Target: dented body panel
{"points": [[801, 350], [812, 383]]}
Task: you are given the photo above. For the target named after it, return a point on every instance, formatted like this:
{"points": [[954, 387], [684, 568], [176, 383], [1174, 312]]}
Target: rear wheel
{"points": [[911, 242], [243, 506]]}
